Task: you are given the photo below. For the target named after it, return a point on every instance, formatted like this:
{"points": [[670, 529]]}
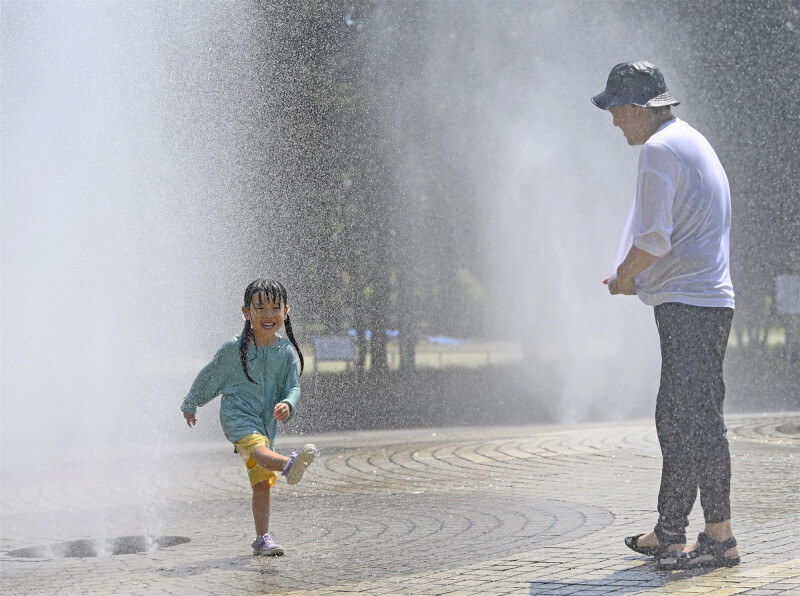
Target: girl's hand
{"points": [[282, 412], [191, 420]]}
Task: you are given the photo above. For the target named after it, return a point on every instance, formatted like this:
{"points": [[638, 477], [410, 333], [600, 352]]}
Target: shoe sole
{"points": [[301, 462], [687, 565], [712, 564], [275, 552]]}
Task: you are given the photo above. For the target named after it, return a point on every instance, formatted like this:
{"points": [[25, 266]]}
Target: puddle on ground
{"points": [[103, 547]]}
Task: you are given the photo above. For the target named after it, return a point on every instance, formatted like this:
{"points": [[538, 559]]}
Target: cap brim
{"points": [[605, 100], [665, 99]]}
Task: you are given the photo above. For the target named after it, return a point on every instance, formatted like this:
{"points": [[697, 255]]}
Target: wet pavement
{"points": [[494, 510]]}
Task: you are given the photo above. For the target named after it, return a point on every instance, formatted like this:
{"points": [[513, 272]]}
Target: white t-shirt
{"points": [[682, 215]]}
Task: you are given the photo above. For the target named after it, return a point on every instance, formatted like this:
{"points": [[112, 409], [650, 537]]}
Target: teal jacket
{"points": [[248, 407]]}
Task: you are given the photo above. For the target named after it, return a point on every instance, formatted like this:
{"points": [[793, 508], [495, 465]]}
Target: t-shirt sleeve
{"points": [[655, 193], [207, 385], [291, 388]]}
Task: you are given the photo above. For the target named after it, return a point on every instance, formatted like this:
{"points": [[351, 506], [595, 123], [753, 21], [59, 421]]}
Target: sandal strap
{"points": [[691, 555], [678, 558], [666, 539], [706, 545]]}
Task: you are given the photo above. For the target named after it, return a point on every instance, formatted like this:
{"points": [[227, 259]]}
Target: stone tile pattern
{"points": [[510, 510]]}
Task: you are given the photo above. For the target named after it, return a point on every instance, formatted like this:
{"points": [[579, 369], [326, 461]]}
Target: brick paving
{"points": [[496, 510]]}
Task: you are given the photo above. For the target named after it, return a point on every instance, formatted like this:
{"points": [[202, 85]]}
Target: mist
{"points": [[124, 204], [144, 186], [502, 102]]}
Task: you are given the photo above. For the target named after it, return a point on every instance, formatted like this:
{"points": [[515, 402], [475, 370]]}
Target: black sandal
{"points": [[706, 545], [664, 542]]}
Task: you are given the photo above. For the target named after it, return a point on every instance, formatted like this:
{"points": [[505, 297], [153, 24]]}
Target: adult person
{"points": [[678, 263]]}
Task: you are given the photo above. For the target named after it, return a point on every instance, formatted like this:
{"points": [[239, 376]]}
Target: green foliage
{"points": [[378, 173]]}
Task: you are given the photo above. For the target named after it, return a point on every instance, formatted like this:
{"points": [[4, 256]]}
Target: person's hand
{"points": [[282, 412], [615, 287], [191, 419]]}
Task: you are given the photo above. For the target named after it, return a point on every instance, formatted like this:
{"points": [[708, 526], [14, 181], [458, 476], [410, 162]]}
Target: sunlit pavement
{"points": [[524, 510]]}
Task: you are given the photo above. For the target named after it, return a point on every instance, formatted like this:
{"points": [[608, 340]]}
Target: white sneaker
{"points": [[298, 462]]}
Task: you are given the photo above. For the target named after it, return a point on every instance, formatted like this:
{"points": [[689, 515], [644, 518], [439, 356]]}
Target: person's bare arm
{"points": [[637, 261]]}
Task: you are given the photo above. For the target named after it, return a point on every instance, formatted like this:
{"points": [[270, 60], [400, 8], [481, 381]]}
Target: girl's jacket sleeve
{"points": [[291, 389], [207, 385]]}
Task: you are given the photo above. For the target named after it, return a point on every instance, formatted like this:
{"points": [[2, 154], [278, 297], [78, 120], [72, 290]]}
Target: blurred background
{"points": [[428, 179]]}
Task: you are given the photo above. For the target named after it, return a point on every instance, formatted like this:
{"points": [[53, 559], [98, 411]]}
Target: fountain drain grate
{"points": [[104, 547]]}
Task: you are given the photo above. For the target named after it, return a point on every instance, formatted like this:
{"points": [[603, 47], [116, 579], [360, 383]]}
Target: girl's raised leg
{"points": [[269, 460]]}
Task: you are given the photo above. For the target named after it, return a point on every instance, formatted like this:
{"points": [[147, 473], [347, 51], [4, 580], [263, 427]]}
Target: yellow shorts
{"points": [[245, 446]]}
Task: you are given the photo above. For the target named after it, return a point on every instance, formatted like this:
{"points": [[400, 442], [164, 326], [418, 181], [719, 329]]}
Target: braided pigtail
{"points": [[288, 324], [244, 343]]}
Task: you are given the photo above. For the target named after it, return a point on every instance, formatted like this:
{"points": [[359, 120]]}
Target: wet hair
{"points": [[265, 290]]}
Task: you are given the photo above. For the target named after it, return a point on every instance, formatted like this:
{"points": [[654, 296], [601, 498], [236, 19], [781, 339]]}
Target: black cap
{"points": [[639, 83]]}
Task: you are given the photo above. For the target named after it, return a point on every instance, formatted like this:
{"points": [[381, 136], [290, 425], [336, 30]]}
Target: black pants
{"points": [[689, 420]]}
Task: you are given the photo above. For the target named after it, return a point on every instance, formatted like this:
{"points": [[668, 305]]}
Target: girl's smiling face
{"points": [[266, 318]]}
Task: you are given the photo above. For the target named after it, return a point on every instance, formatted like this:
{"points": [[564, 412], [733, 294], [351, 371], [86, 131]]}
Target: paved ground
{"points": [[524, 510]]}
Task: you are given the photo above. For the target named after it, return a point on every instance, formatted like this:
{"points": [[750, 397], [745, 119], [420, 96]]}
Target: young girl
{"points": [[256, 374]]}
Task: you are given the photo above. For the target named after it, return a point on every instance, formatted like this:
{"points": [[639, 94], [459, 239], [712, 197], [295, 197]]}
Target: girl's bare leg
{"points": [[269, 460], [261, 501]]}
